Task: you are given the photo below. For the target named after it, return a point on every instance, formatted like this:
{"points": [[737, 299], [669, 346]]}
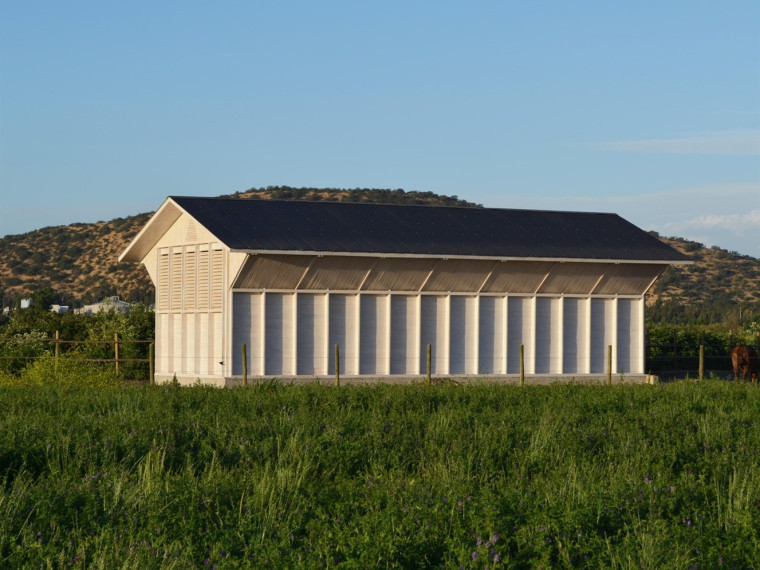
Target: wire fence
{"points": [[687, 359], [135, 359], [131, 359]]}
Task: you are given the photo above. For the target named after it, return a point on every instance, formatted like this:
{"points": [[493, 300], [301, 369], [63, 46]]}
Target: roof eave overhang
{"points": [[168, 213], [455, 256]]}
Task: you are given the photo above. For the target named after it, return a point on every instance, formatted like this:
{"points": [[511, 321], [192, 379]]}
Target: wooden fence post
{"points": [[245, 366], [701, 361], [609, 365], [337, 365], [116, 350], [151, 371], [522, 365], [429, 363]]}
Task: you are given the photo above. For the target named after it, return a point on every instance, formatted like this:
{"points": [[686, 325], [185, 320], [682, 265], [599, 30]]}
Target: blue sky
{"points": [[648, 109]]}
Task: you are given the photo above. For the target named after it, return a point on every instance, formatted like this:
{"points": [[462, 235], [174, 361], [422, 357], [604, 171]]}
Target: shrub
{"points": [[64, 371], [19, 350]]}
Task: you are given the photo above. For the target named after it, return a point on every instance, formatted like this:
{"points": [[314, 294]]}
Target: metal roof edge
{"points": [[459, 256], [426, 205]]}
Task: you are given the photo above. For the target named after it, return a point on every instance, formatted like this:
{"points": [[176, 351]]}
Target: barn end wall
{"points": [[191, 269]]}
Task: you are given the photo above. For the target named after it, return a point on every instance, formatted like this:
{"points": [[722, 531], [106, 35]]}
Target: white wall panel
{"points": [[311, 342], [492, 336], [191, 354], [204, 340], [602, 333], [343, 317], [520, 329], [575, 336], [638, 331], [374, 349], [548, 335], [177, 364], [247, 317], [280, 348], [463, 336], [630, 347], [434, 331], [404, 334], [218, 365], [162, 343]]}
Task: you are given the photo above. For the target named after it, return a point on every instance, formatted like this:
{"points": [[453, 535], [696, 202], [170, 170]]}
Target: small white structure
{"points": [[26, 303], [291, 280], [59, 309], [109, 304]]}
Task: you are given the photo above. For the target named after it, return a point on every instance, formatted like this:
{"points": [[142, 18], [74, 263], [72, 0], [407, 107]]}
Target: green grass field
{"points": [[664, 476]]}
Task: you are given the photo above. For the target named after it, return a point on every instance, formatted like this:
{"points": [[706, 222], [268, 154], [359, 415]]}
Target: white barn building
{"points": [[292, 279]]}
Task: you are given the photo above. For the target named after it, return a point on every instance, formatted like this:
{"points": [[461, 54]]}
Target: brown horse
{"points": [[745, 360]]}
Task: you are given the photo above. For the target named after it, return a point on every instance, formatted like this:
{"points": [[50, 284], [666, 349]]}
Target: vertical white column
{"points": [[417, 368], [388, 351], [614, 336], [587, 358], [293, 366], [637, 366], [531, 364], [447, 339], [263, 335], [190, 353], [324, 365], [558, 337], [506, 335], [355, 365], [474, 366]]}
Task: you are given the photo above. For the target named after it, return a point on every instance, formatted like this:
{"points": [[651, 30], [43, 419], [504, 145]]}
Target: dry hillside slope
{"points": [[79, 262]]}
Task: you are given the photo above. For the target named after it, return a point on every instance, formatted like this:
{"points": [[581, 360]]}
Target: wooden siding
{"points": [[189, 301]]}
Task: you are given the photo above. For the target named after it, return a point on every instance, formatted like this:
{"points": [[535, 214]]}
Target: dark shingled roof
{"points": [[343, 227]]}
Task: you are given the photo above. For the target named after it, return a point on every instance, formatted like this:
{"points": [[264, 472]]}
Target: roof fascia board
{"points": [[445, 256], [163, 219], [435, 294]]}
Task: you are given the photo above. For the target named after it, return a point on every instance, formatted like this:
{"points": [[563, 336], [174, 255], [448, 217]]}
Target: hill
{"points": [[79, 262], [721, 287]]}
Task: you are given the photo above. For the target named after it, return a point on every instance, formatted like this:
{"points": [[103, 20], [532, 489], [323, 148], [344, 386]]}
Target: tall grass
{"points": [[400, 476]]}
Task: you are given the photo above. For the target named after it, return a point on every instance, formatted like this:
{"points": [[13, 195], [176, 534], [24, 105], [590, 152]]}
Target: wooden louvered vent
{"points": [[163, 280], [203, 279], [175, 299], [217, 278], [190, 279]]}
